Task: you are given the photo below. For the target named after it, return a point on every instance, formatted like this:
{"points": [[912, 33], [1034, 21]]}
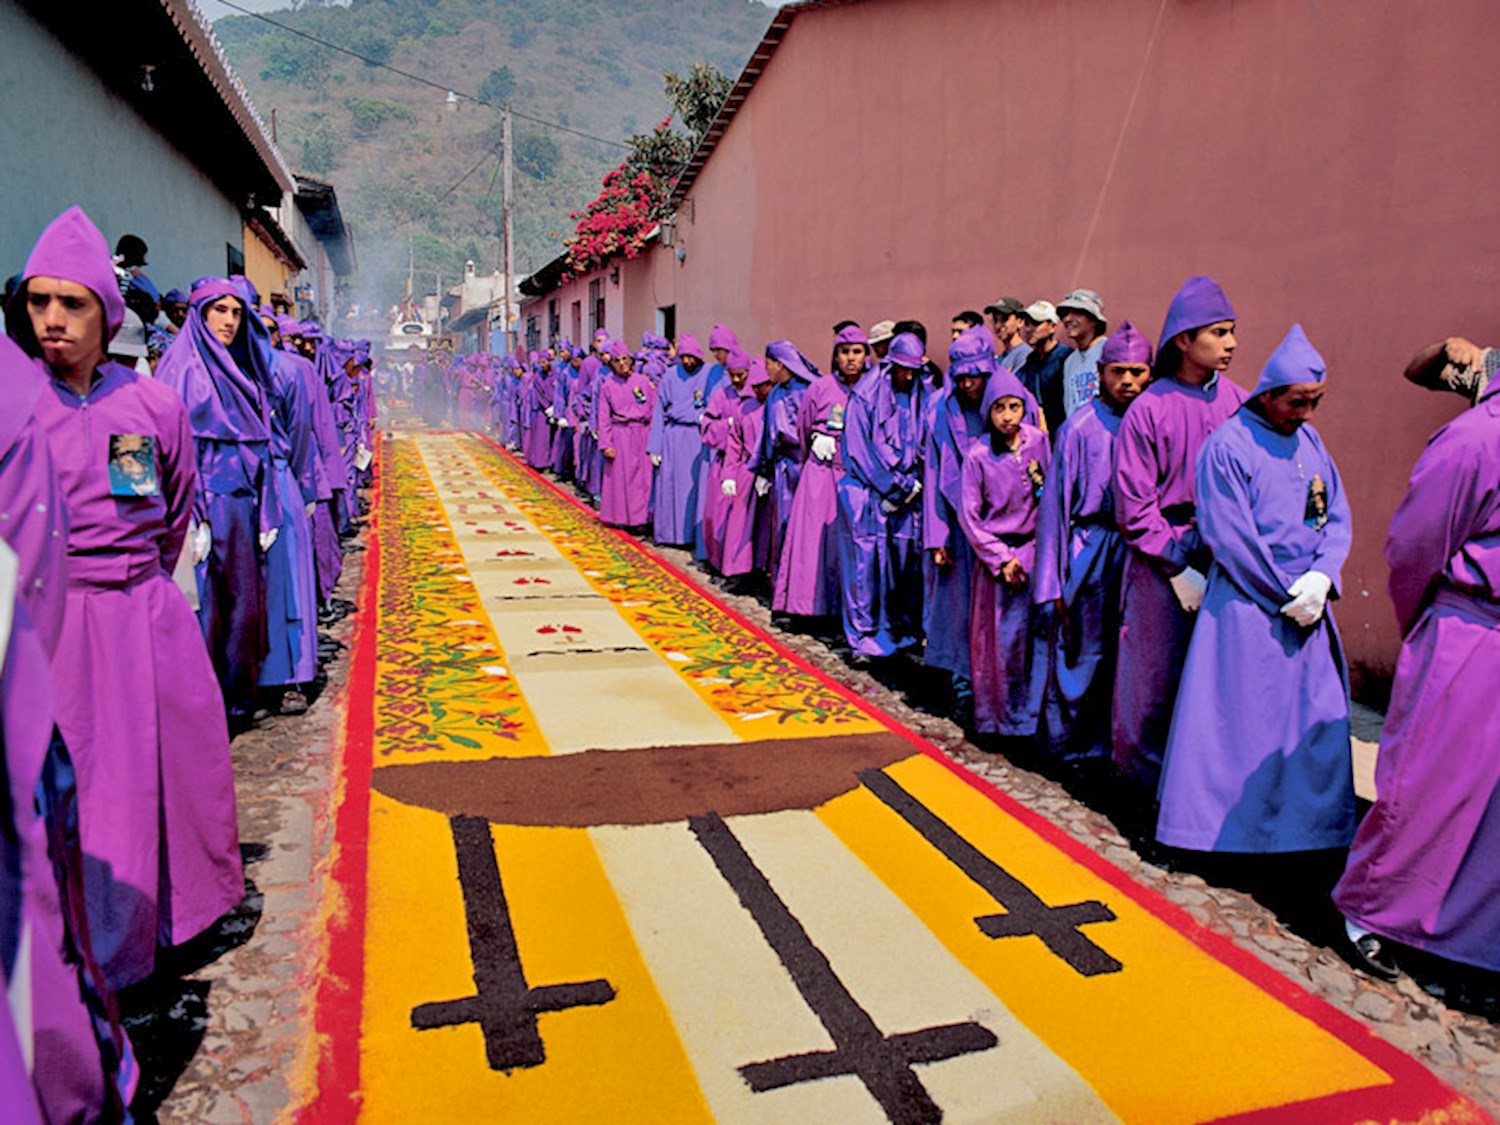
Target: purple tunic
{"points": [[953, 431], [998, 514], [1258, 757], [880, 550], [330, 474], [135, 695], [564, 451], [746, 539], [585, 418], [1155, 452], [624, 408], [1080, 557], [674, 437], [1422, 870], [779, 459], [537, 430], [720, 416], [808, 577]]}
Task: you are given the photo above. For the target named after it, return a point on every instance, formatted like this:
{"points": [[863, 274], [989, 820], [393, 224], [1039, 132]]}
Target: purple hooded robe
{"points": [[1080, 558], [624, 409], [1155, 453], [1258, 757], [225, 390], [133, 689], [779, 456], [674, 438], [719, 419], [1423, 868], [746, 524], [880, 533], [998, 514], [809, 576]]}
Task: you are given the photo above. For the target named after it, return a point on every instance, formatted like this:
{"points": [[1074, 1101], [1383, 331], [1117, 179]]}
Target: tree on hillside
{"points": [[697, 96], [497, 86]]}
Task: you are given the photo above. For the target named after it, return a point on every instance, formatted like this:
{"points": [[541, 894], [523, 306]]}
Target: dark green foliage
{"points": [[537, 155], [498, 85], [369, 114]]}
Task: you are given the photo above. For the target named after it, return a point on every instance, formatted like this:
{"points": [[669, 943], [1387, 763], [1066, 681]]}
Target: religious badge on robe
{"points": [[132, 465], [1035, 475], [836, 416], [1315, 514], [698, 399], [640, 394]]}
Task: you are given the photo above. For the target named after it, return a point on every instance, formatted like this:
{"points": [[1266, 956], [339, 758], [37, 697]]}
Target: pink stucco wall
{"points": [[1326, 161]]}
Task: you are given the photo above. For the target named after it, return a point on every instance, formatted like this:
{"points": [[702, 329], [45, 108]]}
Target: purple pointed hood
{"points": [[907, 351], [973, 351], [1295, 360], [785, 353], [687, 344], [1125, 345], [1199, 302], [722, 336], [73, 249], [222, 387], [1002, 384]]}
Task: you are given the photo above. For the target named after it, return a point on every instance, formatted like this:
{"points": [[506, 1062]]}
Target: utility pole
{"points": [[508, 240]]}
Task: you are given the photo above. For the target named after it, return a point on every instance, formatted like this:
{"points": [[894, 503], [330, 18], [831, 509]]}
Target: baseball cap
{"points": [[1038, 311]]}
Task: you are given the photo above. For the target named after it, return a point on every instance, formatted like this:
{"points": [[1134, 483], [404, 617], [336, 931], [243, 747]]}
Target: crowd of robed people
{"points": [[217, 439], [1123, 561]]}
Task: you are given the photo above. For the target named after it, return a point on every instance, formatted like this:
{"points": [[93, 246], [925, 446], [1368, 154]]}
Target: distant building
{"points": [[910, 158], [130, 110]]}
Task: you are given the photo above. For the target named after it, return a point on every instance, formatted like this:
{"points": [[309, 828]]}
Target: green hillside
{"points": [[398, 151]]}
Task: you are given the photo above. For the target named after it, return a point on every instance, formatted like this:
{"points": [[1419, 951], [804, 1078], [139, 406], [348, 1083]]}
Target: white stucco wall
{"points": [[65, 138]]}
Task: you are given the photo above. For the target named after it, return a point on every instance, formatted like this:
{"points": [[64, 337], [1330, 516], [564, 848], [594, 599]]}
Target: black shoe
{"points": [[1371, 954]]}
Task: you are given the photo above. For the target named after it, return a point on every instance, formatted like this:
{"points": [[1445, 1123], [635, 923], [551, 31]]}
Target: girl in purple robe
{"points": [[777, 463], [1163, 582], [719, 418], [1002, 484], [1258, 758], [134, 692], [626, 398], [221, 370], [1423, 870], [880, 534], [956, 426], [676, 446], [1080, 556], [808, 577], [746, 527]]}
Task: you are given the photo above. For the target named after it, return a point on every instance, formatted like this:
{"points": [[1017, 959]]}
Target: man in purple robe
{"points": [[721, 339], [746, 523], [1423, 870], [1080, 556], [564, 451], [956, 423], [675, 445], [221, 371], [584, 414], [330, 473], [718, 420], [134, 691], [1162, 585], [777, 463], [1003, 477], [808, 578], [1258, 757], [626, 399], [880, 537]]}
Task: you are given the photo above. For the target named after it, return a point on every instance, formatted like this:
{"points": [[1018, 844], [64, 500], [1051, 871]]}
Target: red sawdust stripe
{"points": [[1417, 1093], [338, 1000]]}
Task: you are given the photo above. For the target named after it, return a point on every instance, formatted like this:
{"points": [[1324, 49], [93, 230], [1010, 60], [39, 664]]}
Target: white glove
{"points": [[564, 424], [1309, 597], [729, 488], [889, 507], [656, 459], [762, 486], [548, 412], [200, 540], [1189, 585], [268, 539], [362, 458], [583, 427], [824, 447], [311, 507], [916, 490]]}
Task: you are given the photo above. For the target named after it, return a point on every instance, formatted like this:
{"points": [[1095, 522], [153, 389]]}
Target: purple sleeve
{"points": [[1227, 518], [655, 435], [1138, 497], [603, 418], [179, 484], [34, 508], [936, 514], [861, 453], [1053, 530], [972, 513]]}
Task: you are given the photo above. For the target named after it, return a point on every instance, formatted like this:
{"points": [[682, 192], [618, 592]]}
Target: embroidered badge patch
{"points": [[132, 465], [1315, 514]]}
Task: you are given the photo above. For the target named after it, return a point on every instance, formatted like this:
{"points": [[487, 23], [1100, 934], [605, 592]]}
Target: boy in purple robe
{"points": [[808, 578], [777, 463], [1258, 757], [719, 418], [676, 446], [222, 373], [880, 536], [1162, 585], [955, 425], [1423, 870], [721, 339], [563, 454], [626, 399], [581, 409], [538, 414], [1080, 555], [134, 692], [746, 528], [330, 473], [1003, 476]]}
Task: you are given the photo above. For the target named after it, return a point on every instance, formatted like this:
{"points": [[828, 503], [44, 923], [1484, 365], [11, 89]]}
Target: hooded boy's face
{"points": [[691, 363], [737, 376], [67, 320], [762, 391], [1121, 383], [851, 360], [1288, 408], [720, 354], [1210, 347], [1005, 416], [970, 388]]}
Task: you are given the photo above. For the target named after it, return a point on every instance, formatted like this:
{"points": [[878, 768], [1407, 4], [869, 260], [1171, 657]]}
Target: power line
{"points": [[447, 89]]}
